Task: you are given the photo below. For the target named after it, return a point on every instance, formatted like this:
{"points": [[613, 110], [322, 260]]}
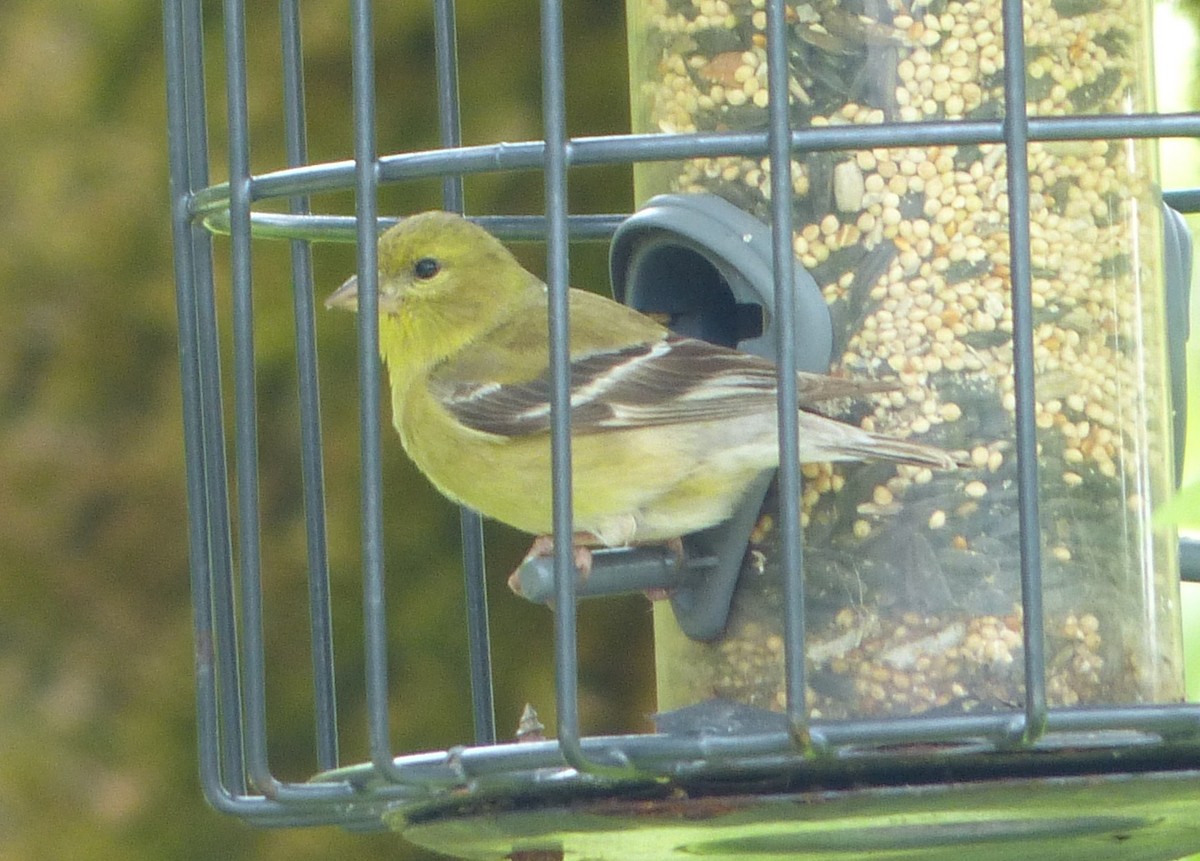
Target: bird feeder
{"points": [[913, 577]]}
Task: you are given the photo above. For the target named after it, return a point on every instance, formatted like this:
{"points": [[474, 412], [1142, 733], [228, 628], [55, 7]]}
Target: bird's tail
{"points": [[873, 446]]}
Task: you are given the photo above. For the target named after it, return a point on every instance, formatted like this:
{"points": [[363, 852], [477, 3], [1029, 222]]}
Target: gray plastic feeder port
{"points": [[707, 265]]}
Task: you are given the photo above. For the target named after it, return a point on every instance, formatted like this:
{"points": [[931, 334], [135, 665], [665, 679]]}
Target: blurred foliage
{"points": [[95, 635]]}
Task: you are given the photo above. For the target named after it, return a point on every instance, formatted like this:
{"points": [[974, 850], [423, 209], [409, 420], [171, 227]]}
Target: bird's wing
{"points": [[666, 381]]}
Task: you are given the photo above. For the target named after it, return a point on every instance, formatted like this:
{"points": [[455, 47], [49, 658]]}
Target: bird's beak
{"points": [[344, 297]]}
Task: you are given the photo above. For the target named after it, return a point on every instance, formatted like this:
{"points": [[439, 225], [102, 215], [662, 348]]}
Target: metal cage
{"points": [[226, 585]]}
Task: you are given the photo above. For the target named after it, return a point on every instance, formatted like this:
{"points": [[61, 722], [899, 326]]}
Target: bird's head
{"points": [[433, 262]]}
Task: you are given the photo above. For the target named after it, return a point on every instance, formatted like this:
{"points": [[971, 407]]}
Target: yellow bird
{"points": [[667, 431]]}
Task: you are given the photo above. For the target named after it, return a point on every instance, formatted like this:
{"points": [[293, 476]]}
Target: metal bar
{"points": [[557, 157], [311, 447], [1185, 200], [341, 228], [474, 572], [1189, 559], [366, 185], [598, 227], [967, 737], [791, 552], [449, 121], [1016, 156], [612, 149], [216, 482], [179, 136], [479, 643], [566, 659], [245, 419]]}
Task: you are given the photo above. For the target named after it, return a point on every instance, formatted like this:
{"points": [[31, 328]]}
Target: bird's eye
{"points": [[426, 268]]}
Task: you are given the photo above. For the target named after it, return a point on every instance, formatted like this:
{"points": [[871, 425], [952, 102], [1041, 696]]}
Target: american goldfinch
{"points": [[667, 431]]}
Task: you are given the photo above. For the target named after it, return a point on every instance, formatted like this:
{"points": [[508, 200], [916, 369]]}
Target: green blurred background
{"points": [[97, 714]]}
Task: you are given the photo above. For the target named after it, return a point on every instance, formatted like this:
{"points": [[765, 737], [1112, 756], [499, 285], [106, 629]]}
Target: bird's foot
{"points": [[662, 593], [543, 545]]}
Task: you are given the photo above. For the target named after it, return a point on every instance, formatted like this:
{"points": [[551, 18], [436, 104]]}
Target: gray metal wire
{"points": [[230, 666], [1016, 157], [791, 556], [478, 640], [311, 445]]}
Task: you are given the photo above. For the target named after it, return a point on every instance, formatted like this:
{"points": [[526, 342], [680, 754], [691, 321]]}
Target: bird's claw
{"points": [[543, 546], [662, 593]]}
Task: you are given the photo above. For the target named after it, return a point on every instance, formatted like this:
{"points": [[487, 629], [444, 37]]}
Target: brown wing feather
{"points": [[669, 381]]}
